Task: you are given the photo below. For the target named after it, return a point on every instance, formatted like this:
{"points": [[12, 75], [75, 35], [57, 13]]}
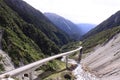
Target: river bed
{"points": [[78, 72]]}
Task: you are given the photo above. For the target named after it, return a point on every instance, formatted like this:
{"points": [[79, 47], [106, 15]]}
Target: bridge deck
{"points": [[33, 66]]}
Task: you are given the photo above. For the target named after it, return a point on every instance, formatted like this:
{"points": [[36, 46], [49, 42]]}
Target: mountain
{"points": [[111, 22], [66, 25], [35, 17], [85, 27], [27, 35], [102, 49], [101, 34]]}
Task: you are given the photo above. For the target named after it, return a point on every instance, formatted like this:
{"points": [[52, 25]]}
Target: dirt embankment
{"points": [[104, 61]]}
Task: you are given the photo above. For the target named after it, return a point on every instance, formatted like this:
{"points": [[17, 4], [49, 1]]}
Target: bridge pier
{"points": [[31, 67], [31, 75], [80, 55], [66, 62]]}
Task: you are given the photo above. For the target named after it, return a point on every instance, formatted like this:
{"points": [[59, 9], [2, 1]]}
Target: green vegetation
{"points": [[1, 57], [24, 42], [36, 18], [14, 41], [99, 38], [51, 69], [53, 65], [71, 46], [64, 75], [28, 36], [1, 68], [109, 23], [1, 65], [61, 73], [102, 33]]}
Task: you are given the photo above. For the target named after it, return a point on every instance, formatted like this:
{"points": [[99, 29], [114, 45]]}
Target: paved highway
{"points": [[31, 67]]}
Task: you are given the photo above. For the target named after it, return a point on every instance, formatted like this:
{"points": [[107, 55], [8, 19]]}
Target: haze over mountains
{"points": [[66, 25], [85, 27], [75, 31], [28, 36], [102, 45]]}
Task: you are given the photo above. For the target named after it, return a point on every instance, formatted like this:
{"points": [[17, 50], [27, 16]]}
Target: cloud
{"points": [[88, 11], [111, 3]]}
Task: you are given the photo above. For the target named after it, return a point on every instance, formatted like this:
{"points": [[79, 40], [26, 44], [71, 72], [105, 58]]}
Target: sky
{"points": [[78, 11]]}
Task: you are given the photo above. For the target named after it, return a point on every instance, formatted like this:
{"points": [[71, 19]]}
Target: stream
{"points": [[78, 72]]}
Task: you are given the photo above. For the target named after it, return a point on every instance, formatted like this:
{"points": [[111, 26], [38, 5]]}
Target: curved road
{"points": [[31, 67]]}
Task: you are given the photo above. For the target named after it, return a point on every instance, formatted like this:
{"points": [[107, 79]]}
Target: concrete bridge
{"points": [[28, 69]]}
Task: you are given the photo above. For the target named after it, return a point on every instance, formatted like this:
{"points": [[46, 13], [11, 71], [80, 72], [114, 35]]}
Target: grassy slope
{"points": [[21, 40], [71, 46], [111, 22], [100, 38]]}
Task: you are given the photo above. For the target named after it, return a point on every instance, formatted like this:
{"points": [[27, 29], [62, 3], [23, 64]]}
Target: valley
{"points": [[27, 35]]}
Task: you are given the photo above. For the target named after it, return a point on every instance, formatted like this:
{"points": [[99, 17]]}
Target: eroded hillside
{"points": [[104, 60]]}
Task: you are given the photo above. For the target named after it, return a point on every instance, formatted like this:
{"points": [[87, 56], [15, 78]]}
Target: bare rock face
{"points": [[104, 61], [6, 61]]}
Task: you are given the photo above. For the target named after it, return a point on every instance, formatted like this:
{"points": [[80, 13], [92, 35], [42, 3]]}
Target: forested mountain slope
{"points": [[27, 34], [35, 17], [66, 25]]}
